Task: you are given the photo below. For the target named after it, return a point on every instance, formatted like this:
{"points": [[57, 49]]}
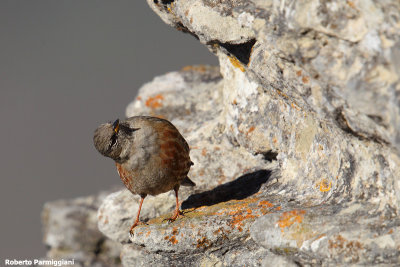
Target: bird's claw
{"points": [[174, 217], [131, 234], [169, 220]]}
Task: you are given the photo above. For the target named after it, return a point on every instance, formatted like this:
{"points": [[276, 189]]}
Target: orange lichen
{"points": [[240, 212], [139, 98], [240, 217], [203, 242], [197, 68], [351, 4], [265, 206], [290, 217], [155, 101], [265, 203], [171, 239], [252, 128], [293, 105], [298, 73], [175, 231], [345, 247], [204, 152], [324, 186], [236, 63], [222, 232], [282, 94], [234, 207], [305, 79], [148, 233]]}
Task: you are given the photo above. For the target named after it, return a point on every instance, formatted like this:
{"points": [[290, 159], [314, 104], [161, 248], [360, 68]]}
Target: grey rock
{"points": [[277, 99], [70, 233], [217, 221], [295, 138], [354, 233], [118, 211], [309, 85]]}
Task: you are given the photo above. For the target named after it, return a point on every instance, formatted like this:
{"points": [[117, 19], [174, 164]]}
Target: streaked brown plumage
{"points": [[151, 156]]}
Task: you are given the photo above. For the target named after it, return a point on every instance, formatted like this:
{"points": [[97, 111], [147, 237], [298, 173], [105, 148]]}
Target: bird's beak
{"points": [[116, 125]]}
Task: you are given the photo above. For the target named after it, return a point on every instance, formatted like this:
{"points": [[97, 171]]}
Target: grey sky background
{"points": [[65, 67]]}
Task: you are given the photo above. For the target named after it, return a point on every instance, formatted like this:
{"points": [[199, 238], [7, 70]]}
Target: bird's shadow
{"points": [[241, 188]]}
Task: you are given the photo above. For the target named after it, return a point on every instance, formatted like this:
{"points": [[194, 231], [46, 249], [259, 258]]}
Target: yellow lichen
{"points": [[236, 63], [324, 186]]}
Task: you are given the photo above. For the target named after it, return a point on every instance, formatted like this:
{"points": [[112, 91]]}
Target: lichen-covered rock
{"points": [[311, 86], [295, 138], [295, 84], [332, 234], [220, 218]]}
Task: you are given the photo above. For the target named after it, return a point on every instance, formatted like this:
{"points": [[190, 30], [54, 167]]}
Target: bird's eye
{"points": [[113, 140]]}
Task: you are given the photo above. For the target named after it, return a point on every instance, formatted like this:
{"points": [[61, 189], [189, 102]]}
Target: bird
{"points": [[150, 154]]}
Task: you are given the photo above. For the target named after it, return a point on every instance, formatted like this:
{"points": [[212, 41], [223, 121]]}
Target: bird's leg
{"points": [[137, 216], [177, 210]]}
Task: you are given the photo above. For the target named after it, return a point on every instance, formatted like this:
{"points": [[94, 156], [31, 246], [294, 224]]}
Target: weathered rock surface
{"points": [[295, 138], [356, 233], [71, 233]]}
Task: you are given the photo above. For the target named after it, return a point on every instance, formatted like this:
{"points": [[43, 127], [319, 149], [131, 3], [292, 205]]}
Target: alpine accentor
{"points": [[151, 156]]}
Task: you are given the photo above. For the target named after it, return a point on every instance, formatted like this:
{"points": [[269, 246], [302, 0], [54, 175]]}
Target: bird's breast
{"points": [[125, 175]]}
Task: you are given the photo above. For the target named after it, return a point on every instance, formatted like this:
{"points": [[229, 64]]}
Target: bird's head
{"points": [[110, 138]]}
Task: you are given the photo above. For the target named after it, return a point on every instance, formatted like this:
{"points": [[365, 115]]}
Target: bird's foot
{"points": [[134, 225], [175, 216]]}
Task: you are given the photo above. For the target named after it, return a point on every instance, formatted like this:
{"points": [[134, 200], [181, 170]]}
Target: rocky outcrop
{"points": [[71, 233], [295, 138]]}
